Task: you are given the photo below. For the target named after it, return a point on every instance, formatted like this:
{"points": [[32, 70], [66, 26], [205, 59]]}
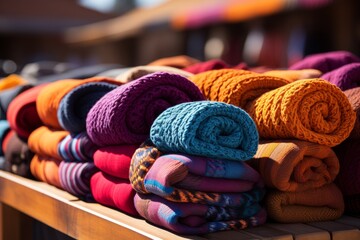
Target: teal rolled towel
{"points": [[206, 128]]}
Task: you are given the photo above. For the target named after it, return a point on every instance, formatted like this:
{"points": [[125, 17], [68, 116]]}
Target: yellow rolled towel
{"points": [[311, 109]]}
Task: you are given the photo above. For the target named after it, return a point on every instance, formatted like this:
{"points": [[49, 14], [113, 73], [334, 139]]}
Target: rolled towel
{"points": [[22, 114], [76, 104], [49, 98], [205, 128], [115, 160], [140, 71], [75, 178], [295, 165], [8, 95], [293, 75], [45, 141], [76, 148], [46, 169], [124, 115], [353, 96], [191, 218], [18, 156], [313, 110], [319, 204], [345, 77], [194, 179], [325, 62], [113, 192], [179, 61], [236, 87]]}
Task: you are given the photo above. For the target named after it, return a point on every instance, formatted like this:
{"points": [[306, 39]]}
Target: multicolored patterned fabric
{"points": [[76, 148], [205, 128], [191, 218]]}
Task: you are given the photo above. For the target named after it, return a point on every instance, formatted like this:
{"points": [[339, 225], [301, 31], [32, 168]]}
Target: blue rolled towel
{"points": [[205, 128]]}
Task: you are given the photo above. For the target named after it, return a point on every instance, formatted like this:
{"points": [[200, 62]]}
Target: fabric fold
{"points": [[124, 115], [205, 128], [7, 96], [46, 169], [345, 77], [76, 148]]}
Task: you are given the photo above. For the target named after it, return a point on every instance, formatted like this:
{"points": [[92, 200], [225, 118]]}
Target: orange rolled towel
{"points": [[237, 87], [44, 141], [48, 100], [46, 169], [311, 109], [293, 75], [319, 204], [295, 165]]}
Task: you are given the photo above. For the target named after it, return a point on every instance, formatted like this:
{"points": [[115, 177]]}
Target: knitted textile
{"points": [[11, 81], [293, 75], [180, 178], [191, 218], [113, 192], [345, 77], [7, 96], [353, 96], [311, 109], [4, 129], [76, 148], [319, 204], [180, 61], [75, 178], [295, 165], [325, 62], [124, 115], [44, 141], [49, 98], [46, 169], [205, 128], [206, 66], [76, 104], [17, 157], [140, 71], [115, 160], [237, 87], [22, 114]]}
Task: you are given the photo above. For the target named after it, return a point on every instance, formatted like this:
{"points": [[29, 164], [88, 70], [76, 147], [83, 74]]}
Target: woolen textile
{"points": [[76, 148], [345, 77]]}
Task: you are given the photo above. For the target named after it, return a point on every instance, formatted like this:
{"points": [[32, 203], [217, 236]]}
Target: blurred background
{"points": [[273, 33]]}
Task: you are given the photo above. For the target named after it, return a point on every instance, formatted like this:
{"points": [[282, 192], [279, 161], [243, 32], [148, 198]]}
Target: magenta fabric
{"points": [[345, 77], [206, 66], [113, 192], [115, 160], [325, 62]]}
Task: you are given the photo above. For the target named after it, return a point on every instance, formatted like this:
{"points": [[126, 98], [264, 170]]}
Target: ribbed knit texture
{"points": [[320, 204], [325, 62], [206, 128], [46, 169], [237, 87], [179, 61], [312, 110], [75, 178], [49, 98], [190, 218], [124, 115], [76, 104], [140, 71], [22, 114], [76, 148], [294, 165], [345, 77], [293, 75]]}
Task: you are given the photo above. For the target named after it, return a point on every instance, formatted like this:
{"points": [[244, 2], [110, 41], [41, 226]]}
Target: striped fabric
{"points": [[76, 148]]}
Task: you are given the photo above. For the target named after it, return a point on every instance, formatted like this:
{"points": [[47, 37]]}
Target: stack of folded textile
{"points": [[191, 177], [120, 121]]}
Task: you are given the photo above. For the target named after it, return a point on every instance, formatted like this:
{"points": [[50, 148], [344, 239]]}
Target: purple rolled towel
{"points": [[325, 62], [345, 77], [125, 114]]}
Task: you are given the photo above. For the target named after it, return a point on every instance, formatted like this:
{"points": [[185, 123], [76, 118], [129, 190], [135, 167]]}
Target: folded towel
{"points": [[319, 204], [325, 62], [46, 169], [179, 61], [76, 148], [345, 77], [191, 218], [353, 96], [311, 109], [75, 178], [293, 75], [76, 104], [22, 114], [124, 115], [295, 165], [11, 81], [17, 156], [49, 98], [140, 71], [237, 87], [174, 178], [113, 192], [115, 160], [45, 141], [8, 95], [205, 128]]}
